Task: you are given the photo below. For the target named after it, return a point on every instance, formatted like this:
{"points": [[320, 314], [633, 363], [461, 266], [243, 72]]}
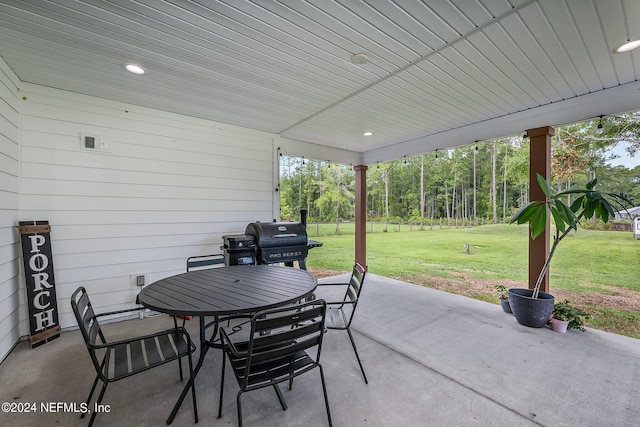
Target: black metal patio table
{"points": [[225, 291]]}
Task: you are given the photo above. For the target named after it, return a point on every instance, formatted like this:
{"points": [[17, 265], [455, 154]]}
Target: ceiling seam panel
{"points": [[417, 29], [629, 12], [535, 34], [332, 30], [310, 42], [256, 39], [436, 116], [466, 95], [346, 29], [577, 52], [294, 65], [479, 9], [479, 77], [270, 112], [620, 62], [562, 59], [491, 54], [508, 47], [315, 32], [392, 116], [551, 92], [259, 63], [424, 58], [584, 15], [386, 27], [239, 85], [446, 22], [468, 16], [419, 83]]}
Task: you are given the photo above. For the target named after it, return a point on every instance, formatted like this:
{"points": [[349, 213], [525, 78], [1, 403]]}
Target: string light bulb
{"points": [[599, 129]]}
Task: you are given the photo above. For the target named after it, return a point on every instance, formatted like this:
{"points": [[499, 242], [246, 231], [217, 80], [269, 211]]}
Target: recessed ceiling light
{"points": [[626, 47], [368, 133], [135, 69]]}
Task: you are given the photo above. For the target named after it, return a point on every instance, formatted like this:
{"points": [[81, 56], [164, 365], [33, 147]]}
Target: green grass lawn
{"points": [[586, 262]]}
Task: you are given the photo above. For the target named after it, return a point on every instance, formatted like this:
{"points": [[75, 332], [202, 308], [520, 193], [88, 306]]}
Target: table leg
{"points": [[204, 347]]}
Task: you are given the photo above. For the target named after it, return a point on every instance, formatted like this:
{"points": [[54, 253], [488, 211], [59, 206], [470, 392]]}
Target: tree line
{"points": [[486, 181]]}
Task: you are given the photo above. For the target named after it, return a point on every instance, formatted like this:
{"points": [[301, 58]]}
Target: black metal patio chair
{"points": [[116, 360], [276, 351], [340, 313]]}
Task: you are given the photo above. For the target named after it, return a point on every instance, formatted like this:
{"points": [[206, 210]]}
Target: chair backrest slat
{"points": [[282, 352], [200, 262], [271, 339], [353, 292], [355, 283], [94, 328], [87, 322], [274, 322]]}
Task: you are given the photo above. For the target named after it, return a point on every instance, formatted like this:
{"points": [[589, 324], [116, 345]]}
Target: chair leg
{"points": [[193, 389], [175, 324], [353, 344], [239, 406], [93, 415], [280, 397], [224, 358], [326, 398], [93, 388]]}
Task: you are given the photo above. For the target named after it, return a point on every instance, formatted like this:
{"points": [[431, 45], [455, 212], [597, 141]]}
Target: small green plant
{"points": [[567, 312], [502, 291]]}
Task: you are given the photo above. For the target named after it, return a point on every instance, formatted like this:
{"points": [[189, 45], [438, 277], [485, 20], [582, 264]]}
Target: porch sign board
{"points": [[35, 237]]}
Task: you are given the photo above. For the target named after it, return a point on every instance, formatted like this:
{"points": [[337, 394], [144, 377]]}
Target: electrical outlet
{"points": [[138, 280]]}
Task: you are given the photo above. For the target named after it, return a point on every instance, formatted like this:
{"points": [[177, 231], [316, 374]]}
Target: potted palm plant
{"points": [[530, 306]]}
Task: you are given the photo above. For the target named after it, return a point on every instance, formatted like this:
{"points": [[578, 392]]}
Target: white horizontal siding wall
{"points": [[10, 291], [170, 187]]}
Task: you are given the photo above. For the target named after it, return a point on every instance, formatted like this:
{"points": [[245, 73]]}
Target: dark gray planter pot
{"points": [[504, 302], [532, 312]]}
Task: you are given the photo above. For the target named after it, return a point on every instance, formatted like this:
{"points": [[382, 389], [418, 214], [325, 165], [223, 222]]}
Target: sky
{"points": [[625, 158]]}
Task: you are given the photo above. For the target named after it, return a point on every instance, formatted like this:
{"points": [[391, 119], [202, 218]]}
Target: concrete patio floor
{"points": [[432, 358]]}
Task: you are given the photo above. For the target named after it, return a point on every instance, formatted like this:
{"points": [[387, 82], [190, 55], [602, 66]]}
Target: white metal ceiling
{"points": [[441, 73]]}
